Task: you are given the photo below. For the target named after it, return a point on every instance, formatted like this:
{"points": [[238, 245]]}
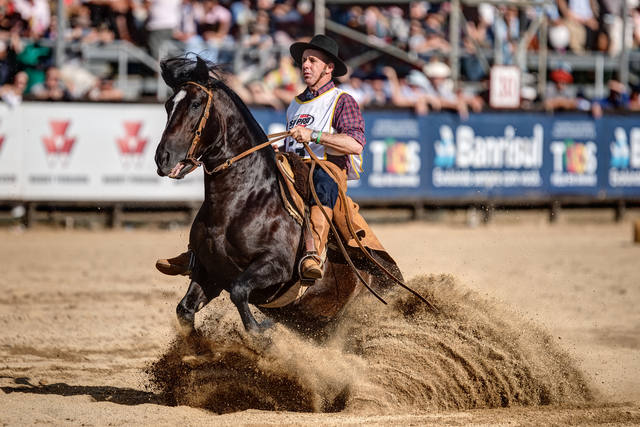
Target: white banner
{"points": [[86, 152]]}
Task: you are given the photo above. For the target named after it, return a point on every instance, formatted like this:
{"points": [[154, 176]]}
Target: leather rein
{"points": [[190, 158]]}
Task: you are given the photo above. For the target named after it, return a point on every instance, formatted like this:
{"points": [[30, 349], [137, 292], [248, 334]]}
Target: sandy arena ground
{"points": [[82, 313]]}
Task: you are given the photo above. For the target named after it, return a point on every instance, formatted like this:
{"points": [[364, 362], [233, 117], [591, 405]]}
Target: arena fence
{"points": [[102, 155]]}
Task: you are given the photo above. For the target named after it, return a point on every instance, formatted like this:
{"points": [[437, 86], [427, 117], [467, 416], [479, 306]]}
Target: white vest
{"points": [[317, 114]]}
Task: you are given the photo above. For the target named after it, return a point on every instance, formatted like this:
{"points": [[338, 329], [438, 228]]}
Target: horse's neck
{"points": [[257, 171]]}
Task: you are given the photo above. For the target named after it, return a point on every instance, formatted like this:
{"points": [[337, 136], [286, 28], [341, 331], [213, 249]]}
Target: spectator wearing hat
{"points": [[561, 95], [439, 76]]}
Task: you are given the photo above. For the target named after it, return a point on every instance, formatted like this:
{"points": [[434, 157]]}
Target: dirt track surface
{"points": [[84, 313]]}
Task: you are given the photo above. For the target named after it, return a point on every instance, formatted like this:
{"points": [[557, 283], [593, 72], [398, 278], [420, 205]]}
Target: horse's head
{"points": [[193, 128]]}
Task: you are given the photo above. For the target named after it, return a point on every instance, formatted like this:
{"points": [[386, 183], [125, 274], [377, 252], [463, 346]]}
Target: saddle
{"points": [[296, 196]]}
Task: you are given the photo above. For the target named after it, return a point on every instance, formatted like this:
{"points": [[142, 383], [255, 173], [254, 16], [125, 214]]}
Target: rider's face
{"points": [[316, 71]]}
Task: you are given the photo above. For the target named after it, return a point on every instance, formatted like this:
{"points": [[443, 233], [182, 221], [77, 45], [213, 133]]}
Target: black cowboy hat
{"points": [[324, 44]]}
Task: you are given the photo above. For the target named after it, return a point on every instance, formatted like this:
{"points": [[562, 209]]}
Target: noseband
{"points": [[190, 158]]}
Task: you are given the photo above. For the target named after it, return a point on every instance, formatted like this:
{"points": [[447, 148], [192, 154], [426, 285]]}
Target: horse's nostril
{"points": [[161, 158]]}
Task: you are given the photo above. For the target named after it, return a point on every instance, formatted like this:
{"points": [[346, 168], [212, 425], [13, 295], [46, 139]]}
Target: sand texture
{"points": [[537, 324]]}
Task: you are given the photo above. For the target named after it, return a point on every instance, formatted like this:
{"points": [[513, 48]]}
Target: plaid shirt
{"points": [[347, 118]]}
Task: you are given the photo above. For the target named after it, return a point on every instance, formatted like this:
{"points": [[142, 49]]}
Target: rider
{"points": [[329, 120]]}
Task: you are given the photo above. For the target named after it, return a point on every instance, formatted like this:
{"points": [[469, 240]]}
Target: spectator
{"points": [[582, 24], [480, 36], [37, 14], [635, 21], [9, 58], [163, 20], [438, 74], [105, 90], [187, 30], [284, 82], [52, 89], [242, 14], [618, 99], [12, 93], [414, 91], [560, 95], [214, 24], [356, 87], [380, 94], [634, 98], [424, 42], [376, 23]]}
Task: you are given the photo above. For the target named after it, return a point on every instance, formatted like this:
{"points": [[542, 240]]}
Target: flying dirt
{"points": [[378, 359]]}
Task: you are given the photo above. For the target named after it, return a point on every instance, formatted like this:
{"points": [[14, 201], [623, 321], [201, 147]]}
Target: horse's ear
{"points": [[201, 71]]}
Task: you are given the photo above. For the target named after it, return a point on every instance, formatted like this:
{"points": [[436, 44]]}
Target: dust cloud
{"points": [[473, 353]]}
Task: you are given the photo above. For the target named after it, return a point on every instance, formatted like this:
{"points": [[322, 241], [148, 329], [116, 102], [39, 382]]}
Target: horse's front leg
{"points": [[262, 273], [191, 303]]}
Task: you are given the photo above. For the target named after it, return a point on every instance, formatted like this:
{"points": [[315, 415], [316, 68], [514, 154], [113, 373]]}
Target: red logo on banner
{"points": [[132, 143], [58, 143], [1, 142]]}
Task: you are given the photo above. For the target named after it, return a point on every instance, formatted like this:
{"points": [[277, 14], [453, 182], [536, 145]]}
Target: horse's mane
{"points": [[179, 70]]}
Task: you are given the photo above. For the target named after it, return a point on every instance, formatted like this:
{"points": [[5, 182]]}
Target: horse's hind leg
{"points": [[191, 303]]}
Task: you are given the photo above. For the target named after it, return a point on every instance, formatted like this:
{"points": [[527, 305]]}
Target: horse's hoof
{"points": [[265, 325], [186, 326]]}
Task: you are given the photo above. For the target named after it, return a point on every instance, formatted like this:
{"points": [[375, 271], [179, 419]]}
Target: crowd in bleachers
{"points": [[218, 29]]}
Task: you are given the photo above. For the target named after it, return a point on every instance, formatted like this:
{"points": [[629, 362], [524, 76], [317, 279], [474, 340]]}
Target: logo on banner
{"points": [[624, 168], [574, 154], [574, 163], [465, 159], [132, 145], [58, 145], [395, 163]]}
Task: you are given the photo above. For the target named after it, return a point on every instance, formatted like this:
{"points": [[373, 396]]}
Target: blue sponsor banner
{"points": [[520, 156], [488, 155]]}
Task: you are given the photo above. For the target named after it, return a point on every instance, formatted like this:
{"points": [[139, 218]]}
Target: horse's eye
{"points": [[196, 105]]}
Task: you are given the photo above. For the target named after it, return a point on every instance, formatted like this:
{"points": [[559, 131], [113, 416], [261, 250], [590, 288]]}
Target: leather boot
{"points": [[311, 267], [180, 265]]}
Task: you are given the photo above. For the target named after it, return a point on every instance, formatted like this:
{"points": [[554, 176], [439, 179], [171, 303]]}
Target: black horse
{"points": [[244, 240]]}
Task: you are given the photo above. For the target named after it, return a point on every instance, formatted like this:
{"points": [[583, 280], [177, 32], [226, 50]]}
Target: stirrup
{"points": [[308, 281]]}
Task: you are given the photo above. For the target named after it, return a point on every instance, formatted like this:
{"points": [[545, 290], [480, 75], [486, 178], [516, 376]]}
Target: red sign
{"points": [[58, 143], [132, 143]]}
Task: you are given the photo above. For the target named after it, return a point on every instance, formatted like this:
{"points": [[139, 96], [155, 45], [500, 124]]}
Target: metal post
{"points": [[542, 57], [454, 37], [623, 75], [122, 68], [62, 24], [319, 17], [498, 41], [599, 77]]}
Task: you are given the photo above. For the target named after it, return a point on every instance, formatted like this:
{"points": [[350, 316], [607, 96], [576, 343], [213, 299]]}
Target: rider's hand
{"points": [[301, 134]]}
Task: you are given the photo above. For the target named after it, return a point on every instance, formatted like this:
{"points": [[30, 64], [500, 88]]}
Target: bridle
{"points": [[190, 157]]}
